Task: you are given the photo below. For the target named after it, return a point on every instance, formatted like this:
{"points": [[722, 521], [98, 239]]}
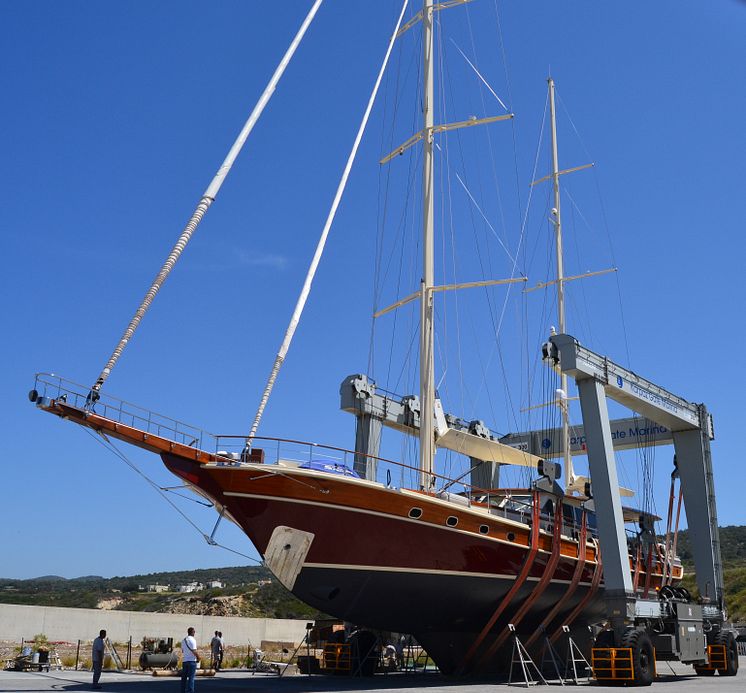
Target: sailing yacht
{"points": [[450, 561]]}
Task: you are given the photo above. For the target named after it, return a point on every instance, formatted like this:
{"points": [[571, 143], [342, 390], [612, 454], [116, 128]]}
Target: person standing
{"points": [[189, 659], [222, 648], [97, 657], [215, 649]]}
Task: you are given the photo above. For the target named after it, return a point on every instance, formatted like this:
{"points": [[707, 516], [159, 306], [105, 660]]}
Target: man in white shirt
{"points": [[189, 659], [97, 657]]}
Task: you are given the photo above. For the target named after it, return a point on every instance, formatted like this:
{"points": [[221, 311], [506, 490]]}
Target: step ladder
{"points": [[114, 654]]}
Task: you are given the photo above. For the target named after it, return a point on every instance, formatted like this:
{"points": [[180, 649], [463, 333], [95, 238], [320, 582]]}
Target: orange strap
{"points": [[595, 582], [577, 573], [527, 565], [541, 586]]}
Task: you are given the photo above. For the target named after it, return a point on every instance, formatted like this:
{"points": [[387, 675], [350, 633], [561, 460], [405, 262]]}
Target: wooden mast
{"points": [[557, 221], [427, 376]]}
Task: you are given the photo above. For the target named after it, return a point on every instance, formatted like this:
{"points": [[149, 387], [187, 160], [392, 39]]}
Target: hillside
{"points": [[253, 591], [732, 547], [246, 591], [733, 552]]}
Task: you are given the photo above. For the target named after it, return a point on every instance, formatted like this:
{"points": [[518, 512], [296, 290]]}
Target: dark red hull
{"points": [[371, 564], [441, 573]]}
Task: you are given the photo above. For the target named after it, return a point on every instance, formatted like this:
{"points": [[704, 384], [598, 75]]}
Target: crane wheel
{"points": [[643, 656], [731, 652]]}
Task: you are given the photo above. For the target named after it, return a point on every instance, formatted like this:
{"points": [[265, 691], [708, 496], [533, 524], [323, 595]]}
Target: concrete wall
{"points": [[18, 621]]}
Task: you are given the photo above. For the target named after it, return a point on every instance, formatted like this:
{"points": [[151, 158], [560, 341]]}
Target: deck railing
{"points": [[51, 386], [48, 386]]}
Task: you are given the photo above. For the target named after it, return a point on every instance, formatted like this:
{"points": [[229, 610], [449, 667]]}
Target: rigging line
{"points": [[401, 232], [324, 234], [382, 214], [106, 442], [205, 201], [574, 237], [606, 228], [479, 74], [459, 343], [488, 137], [577, 133], [486, 220], [514, 127], [442, 314], [206, 504], [403, 229], [524, 225], [481, 265]]}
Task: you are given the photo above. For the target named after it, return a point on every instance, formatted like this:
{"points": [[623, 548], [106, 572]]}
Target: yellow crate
{"points": [[717, 658], [336, 657], [612, 664]]}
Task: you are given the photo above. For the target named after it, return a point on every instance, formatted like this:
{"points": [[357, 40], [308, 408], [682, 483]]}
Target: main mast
{"points": [[557, 220], [427, 376]]}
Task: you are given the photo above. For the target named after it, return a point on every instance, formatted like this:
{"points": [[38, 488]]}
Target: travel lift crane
{"points": [[676, 626], [670, 627]]}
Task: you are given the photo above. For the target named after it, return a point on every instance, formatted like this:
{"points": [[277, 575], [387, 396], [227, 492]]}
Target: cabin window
{"points": [[415, 513], [510, 536], [484, 529], [451, 520]]}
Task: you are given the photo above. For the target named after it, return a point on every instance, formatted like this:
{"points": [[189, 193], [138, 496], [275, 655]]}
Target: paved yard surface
{"points": [[672, 680]]}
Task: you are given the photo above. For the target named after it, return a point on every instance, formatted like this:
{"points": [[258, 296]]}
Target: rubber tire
{"points": [[731, 653], [643, 656]]}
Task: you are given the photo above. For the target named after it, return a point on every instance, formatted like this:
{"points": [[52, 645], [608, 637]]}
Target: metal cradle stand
{"points": [[550, 656], [575, 662], [528, 668]]}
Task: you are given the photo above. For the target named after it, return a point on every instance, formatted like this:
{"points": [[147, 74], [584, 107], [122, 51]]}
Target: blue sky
{"points": [[115, 118]]}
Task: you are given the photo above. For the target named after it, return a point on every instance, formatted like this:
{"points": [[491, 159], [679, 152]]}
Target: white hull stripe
{"points": [[423, 571], [376, 513]]}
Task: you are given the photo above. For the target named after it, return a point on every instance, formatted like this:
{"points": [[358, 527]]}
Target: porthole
{"points": [[451, 520], [511, 536], [484, 529], [415, 513]]}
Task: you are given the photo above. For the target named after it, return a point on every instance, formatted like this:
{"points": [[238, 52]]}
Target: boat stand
{"points": [[575, 662], [521, 656], [550, 655]]}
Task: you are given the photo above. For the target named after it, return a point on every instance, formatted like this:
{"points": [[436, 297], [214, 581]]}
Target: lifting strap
{"points": [[648, 572], [595, 582], [638, 563], [541, 586], [675, 535], [577, 574], [519, 581]]}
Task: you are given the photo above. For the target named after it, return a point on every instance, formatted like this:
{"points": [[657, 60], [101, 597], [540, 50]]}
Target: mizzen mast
{"points": [[557, 221]]}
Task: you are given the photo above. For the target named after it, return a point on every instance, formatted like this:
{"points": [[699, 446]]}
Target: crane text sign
{"points": [[625, 434]]}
